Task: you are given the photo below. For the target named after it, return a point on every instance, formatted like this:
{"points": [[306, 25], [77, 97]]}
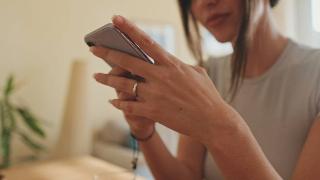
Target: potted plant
{"points": [[10, 116]]}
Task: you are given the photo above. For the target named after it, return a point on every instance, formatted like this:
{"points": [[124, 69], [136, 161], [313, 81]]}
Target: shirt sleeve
{"points": [[318, 115], [318, 96], [317, 90], [318, 102]]}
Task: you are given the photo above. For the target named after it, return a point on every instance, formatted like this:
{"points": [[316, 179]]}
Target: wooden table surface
{"points": [[80, 168]]}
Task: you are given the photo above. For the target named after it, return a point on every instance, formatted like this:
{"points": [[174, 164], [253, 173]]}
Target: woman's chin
{"points": [[222, 36], [222, 40]]}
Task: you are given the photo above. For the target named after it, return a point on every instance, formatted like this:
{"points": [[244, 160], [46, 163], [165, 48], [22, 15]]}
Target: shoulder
{"points": [[304, 62], [308, 67], [304, 55]]}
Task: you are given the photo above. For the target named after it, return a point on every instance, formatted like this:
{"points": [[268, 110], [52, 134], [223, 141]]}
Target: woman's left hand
{"points": [[177, 95]]}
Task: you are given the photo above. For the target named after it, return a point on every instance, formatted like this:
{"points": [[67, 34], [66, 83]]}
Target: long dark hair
{"points": [[239, 57]]}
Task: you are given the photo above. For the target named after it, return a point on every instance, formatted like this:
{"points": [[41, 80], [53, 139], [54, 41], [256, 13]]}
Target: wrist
{"points": [[225, 124], [143, 135]]}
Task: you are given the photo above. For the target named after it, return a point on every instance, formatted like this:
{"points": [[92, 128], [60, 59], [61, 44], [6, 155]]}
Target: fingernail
{"points": [[95, 75], [115, 103], [111, 101], [98, 50], [114, 16], [117, 19], [92, 48]]}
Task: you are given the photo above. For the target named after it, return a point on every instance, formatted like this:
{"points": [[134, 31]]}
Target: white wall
{"points": [[305, 32], [285, 17], [294, 18]]}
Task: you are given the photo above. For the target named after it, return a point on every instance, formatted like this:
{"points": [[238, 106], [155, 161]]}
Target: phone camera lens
{"points": [[90, 44]]}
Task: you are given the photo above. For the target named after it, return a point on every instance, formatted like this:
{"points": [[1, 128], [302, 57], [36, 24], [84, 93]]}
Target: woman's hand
{"points": [[140, 126], [177, 95]]}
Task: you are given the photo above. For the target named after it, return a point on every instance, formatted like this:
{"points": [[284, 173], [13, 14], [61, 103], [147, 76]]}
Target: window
{"points": [[315, 4]]}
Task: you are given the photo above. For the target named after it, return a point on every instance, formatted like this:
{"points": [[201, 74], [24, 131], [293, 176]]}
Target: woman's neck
{"points": [[266, 45]]}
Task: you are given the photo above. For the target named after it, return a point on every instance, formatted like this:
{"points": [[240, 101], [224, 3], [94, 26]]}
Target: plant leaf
{"points": [[2, 115], [31, 122], [9, 86], [11, 117], [29, 142], [5, 146], [5, 138]]}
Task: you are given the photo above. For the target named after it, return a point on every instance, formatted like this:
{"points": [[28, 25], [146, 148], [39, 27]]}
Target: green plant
{"points": [[10, 115]]}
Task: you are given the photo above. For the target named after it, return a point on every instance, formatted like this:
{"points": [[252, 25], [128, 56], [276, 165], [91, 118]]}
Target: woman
{"points": [[257, 119]]}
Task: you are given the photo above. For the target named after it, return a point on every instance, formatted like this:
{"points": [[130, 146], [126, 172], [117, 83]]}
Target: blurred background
{"points": [[41, 44]]}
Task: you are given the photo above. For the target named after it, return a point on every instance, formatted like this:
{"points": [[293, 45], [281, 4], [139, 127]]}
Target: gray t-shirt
{"points": [[279, 106]]}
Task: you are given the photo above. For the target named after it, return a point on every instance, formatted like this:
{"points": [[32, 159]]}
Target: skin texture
{"points": [[185, 101], [168, 96]]}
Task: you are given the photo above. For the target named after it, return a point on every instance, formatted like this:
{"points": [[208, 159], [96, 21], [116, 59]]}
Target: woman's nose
{"points": [[213, 2], [209, 3]]}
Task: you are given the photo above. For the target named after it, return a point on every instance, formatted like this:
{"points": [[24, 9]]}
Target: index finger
{"points": [[153, 49], [125, 61]]}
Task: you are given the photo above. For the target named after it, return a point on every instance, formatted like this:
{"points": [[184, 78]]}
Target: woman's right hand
{"points": [[140, 126]]}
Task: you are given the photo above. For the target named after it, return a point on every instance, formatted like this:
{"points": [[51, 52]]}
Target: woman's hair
{"points": [[273, 3], [239, 57]]}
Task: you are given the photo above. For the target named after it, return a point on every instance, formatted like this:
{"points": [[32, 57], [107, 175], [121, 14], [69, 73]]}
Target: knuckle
{"points": [[147, 41], [176, 65], [172, 62], [200, 69]]}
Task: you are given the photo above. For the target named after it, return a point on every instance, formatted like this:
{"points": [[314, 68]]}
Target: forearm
{"points": [[237, 152], [309, 161], [163, 165]]}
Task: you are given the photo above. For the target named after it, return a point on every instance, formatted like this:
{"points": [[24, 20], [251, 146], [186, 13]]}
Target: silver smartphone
{"points": [[111, 37]]}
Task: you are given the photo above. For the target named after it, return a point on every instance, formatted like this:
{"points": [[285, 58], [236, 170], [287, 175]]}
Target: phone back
{"points": [[110, 37]]}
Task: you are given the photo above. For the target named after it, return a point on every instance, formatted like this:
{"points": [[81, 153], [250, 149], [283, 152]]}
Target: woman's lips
{"points": [[216, 19]]}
